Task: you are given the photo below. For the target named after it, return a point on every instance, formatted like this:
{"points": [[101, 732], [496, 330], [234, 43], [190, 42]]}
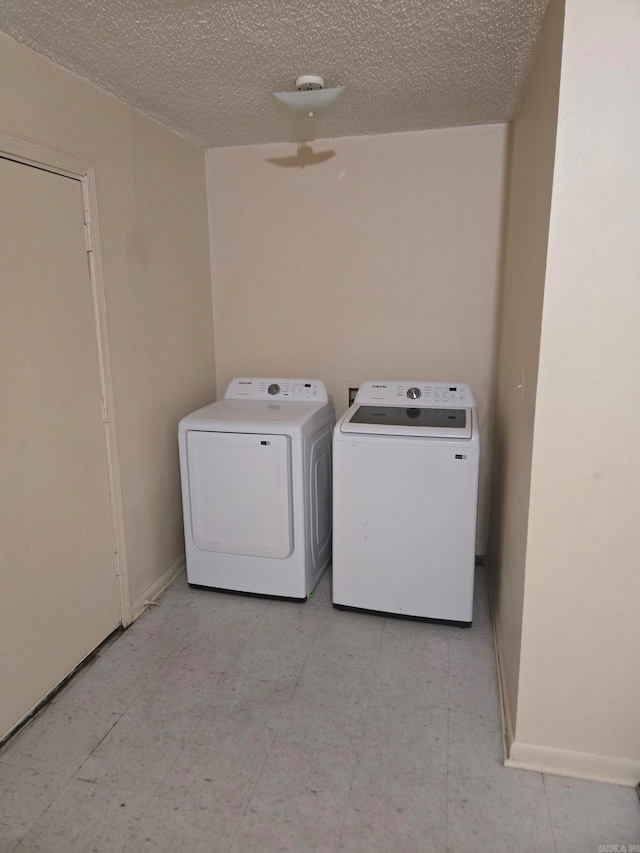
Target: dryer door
{"points": [[240, 491]]}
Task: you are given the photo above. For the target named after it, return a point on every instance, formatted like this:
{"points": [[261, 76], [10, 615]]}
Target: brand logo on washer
{"points": [[379, 386]]}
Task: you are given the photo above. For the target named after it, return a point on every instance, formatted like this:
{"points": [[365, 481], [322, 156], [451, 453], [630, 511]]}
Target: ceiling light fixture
{"points": [[310, 100]]}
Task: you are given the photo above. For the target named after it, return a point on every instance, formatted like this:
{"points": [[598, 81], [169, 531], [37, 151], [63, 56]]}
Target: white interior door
{"points": [[59, 594]]}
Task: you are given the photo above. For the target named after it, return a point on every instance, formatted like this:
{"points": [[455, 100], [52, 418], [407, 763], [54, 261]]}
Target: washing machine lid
{"points": [[423, 421], [422, 409]]}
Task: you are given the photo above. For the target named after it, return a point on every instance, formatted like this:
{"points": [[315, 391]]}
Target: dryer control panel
{"points": [[416, 394], [297, 390]]}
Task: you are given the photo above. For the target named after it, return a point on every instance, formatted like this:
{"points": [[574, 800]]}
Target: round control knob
{"points": [[274, 388], [414, 393]]}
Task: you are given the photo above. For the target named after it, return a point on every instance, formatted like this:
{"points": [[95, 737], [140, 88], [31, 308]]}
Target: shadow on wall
{"points": [[495, 544], [304, 156]]}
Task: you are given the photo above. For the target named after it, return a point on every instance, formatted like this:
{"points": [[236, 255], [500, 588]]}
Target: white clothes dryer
{"points": [[405, 491], [256, 488]]}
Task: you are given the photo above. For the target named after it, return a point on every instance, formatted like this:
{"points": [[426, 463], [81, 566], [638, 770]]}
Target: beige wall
{"points": [[381, 262], [154, 235], [532, 152], [579, 698]]}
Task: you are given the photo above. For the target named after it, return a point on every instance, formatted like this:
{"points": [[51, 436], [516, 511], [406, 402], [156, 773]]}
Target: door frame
{"points": [[71, 167]]}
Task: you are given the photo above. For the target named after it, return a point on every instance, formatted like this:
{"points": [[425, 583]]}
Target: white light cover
{"points": [[319, 102]]}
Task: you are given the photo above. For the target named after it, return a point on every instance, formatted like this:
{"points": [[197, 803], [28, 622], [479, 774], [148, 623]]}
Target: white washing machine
{"points": [[256, 488], [405, 493]]}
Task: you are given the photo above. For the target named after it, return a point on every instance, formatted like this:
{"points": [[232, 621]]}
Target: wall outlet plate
{"points": [[349, 389]]}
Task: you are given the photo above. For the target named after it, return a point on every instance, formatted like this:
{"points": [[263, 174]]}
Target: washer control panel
{"points": [[301, 390], [417, 394]]}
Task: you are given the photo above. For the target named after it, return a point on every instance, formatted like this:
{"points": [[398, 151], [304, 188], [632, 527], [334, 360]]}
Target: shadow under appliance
{"points": [[256, 488], [405, 491]]}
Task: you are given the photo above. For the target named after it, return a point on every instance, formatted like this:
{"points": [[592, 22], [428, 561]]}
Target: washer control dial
{"points": [[414, 393], [273, 389]]}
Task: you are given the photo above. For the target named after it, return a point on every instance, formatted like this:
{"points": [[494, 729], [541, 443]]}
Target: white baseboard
{"points": [[157, 587], [505, 715], [578, 765], [505, 711]]}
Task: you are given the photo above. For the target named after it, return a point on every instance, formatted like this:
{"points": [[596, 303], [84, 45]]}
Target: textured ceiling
{"points": [[206, 68]]}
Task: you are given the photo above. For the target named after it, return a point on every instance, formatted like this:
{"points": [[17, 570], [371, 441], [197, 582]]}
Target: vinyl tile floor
{"points": [[228, 723]]}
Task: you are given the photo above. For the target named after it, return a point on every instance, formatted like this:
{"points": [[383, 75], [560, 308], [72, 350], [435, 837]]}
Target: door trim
{"points": [[84, 172]]}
